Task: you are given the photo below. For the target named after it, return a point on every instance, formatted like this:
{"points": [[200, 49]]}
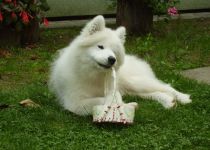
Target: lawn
{"points": [[172, 47]]}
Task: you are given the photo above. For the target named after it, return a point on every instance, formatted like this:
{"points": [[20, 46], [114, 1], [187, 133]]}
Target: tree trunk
{"points": [[135, 15], [31, 33], [9, 37]]}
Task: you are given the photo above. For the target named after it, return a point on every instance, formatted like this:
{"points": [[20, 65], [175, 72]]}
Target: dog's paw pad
{"points": [[169, 104]]}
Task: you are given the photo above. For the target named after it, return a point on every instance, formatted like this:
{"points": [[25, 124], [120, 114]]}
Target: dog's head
{"points": [[103, 46]]}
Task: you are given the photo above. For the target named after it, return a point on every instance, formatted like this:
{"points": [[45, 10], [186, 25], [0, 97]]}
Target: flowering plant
{"points": [[20, 13], [158, 6], [163, 6]]}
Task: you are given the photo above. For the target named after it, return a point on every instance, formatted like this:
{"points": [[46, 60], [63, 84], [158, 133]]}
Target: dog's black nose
{"points": [[111, 60]]}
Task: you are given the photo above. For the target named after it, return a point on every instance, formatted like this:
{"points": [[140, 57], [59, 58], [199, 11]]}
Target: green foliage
{"points": [[161, 6], [145, 43], [158, 6], [17, 14]]}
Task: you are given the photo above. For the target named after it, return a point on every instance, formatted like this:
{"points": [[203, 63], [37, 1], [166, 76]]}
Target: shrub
{"points": [[18, 14], [158, 6]]}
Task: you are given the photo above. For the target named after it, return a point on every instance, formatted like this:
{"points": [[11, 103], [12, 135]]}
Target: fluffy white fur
{"points": [[77, 75]]}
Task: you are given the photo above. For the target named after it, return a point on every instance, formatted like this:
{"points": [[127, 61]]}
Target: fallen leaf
{"points": [[6, 76], [4, 53], [29, 103]]}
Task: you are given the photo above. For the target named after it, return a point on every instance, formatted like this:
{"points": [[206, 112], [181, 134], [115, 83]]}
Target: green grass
{"points": [[170, 48]]}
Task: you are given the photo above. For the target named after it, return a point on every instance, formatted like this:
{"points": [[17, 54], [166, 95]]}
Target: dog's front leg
{"points": [[85, 106]]}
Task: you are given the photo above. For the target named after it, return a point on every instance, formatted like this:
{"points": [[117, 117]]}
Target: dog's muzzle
{"points": [[110, 62]]}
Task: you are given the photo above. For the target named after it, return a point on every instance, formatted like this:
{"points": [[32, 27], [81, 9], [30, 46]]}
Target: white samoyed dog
{"points": [[78, 73]]}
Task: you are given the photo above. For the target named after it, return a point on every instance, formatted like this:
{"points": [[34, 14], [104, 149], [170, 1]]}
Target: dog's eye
{"points": [[101, 46]]}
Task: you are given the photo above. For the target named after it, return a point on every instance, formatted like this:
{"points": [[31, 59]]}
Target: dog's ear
{"points": [[95, 25], [121, 33]]}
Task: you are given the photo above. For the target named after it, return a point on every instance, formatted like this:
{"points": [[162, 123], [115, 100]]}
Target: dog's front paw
{"points": [[169, 104], [184, 98], [167, 101], [133, 104]]}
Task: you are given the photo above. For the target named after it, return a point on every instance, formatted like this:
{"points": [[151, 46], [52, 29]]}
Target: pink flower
{"points": [[24, 16], [172, 11], [1, 17], [8, 1], [13, 15], [46, 22]]}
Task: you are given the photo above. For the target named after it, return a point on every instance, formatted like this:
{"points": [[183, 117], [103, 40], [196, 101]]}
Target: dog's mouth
{"points": [[105, 66]]}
